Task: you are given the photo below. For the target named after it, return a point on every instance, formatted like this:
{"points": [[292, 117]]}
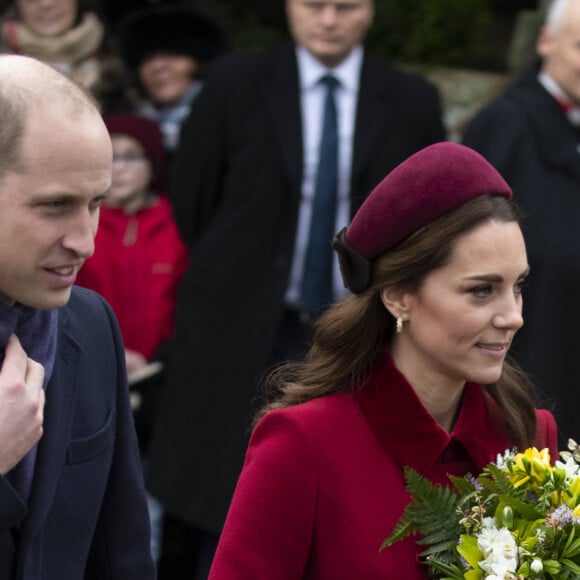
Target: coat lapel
{"points": [[557, 140], [372, 113], [60, 396], [283, 102], [391, 407]]}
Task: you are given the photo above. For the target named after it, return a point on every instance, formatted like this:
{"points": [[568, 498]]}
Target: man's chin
{"points": [[49, 300]]}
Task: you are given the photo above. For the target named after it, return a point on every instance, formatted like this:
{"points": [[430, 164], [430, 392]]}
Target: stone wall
{"points": [[464, 93]]}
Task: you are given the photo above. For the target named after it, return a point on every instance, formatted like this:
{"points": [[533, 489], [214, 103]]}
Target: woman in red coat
{"points": [[410, 369]]}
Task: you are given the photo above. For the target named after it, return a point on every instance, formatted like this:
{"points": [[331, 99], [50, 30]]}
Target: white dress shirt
{"points": [[312, 95], [571, 110]]}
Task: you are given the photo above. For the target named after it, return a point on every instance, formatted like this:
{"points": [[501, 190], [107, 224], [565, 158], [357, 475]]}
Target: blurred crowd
{"points": [[205, 243]]}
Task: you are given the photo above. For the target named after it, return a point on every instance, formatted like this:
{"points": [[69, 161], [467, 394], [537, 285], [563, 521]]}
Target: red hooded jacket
{"points": [[138, 262]]}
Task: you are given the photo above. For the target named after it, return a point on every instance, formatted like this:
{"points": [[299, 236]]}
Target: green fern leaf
{"points": [[432, 513], [403, 529]]}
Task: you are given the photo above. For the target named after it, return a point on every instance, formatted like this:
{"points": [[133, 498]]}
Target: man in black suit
{"points": [[72, 500], [244, 190], [531, 133]]}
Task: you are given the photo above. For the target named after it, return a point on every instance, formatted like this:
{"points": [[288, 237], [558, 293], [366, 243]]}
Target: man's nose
{"points": [[80, 238]]}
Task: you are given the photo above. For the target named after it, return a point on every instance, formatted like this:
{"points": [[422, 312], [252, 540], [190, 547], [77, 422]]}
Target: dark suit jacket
{"points": [[87, 515], [526, 135], [236, 187]]}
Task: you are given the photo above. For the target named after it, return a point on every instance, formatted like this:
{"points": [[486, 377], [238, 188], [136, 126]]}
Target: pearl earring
{"points": [[399, 324]]}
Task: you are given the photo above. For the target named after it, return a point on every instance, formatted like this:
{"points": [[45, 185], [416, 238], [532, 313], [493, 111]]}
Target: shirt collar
{"points": [[571, 110], [553, 88], [310, 70], [409, 433]]}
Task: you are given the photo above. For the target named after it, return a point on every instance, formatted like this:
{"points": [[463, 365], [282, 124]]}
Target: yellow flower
{"points": [[575, 486], [570, 496], [531, 465]]}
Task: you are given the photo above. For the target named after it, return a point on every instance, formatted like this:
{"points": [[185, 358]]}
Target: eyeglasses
{"points": [[129, 157]]}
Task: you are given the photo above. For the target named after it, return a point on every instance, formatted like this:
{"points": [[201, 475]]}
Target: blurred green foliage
{"points": [[458, 33], [451, 32]]}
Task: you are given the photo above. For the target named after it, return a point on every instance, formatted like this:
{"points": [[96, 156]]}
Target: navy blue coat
{"points": [[87, 515]]}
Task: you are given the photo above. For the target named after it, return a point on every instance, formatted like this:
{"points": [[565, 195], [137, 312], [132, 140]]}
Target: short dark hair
{"points": [[12, 124], [18, 95]]}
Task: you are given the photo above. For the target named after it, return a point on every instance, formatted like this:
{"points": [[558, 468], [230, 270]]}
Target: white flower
{"points": [[571, 468], [489, 523], [500, 552], [537, 567], [502, 460]]}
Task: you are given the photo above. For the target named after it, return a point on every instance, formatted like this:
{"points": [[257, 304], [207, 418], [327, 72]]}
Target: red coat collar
{"points": [[407, 431]]}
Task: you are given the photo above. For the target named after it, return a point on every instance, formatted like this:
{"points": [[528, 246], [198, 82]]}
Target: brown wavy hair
{"points": [[350, 335]]}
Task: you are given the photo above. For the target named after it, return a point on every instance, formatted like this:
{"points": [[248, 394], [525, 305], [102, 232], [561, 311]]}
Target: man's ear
{"points": [[397, 301], [545, 42]]}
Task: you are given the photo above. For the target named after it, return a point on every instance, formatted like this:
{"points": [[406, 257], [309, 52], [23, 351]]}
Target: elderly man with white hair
{"points": [[531, 133]]}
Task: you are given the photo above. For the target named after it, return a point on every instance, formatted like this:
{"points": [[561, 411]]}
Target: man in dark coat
{"points": [[72, 500], [531, 134], [240, 188]]}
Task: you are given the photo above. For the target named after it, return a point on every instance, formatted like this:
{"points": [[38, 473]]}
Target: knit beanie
{"points": [[146, 133]]}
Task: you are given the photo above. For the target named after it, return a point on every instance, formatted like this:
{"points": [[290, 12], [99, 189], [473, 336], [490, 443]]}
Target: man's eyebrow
{"points": [[64, 196]]}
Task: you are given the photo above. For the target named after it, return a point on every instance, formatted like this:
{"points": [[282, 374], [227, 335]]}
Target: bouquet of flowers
{"points": [[519, 519]]}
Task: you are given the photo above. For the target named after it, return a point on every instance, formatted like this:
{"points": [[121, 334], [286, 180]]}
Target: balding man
{"points": [[71, 495], [531, 134]]}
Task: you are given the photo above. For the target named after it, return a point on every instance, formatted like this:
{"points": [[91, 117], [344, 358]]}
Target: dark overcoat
{"points": [[86, 517], [237, 185], [528, 138]]}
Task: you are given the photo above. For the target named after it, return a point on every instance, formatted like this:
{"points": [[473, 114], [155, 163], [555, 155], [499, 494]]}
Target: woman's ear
{"points": [[397, 301]]}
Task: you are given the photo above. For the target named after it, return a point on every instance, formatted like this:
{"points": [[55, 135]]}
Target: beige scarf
{"points": [[73, 52]]}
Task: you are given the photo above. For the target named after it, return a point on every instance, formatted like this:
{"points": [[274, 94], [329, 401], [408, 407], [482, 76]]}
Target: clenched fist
{"points": [[21, 405]]}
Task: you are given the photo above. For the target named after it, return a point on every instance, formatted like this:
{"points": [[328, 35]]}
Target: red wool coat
{"points": [[138, 262], [322, 485]]}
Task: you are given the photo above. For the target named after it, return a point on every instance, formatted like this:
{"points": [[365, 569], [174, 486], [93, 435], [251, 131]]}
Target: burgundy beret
{"points": [[422, 188], [146, 133]]}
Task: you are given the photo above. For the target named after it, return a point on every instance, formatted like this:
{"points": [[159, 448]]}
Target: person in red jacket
{"points": [[138, 262], [139, 255], [409, 369]]}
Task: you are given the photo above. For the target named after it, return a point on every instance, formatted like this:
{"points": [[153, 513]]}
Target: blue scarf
{"points": [[37, 331]]}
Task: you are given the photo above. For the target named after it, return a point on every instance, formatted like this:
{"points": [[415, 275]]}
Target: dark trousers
{"points": [[186, 553]]}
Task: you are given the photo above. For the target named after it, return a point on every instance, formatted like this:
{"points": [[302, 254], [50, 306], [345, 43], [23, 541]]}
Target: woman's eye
{"points": [[519, 287], [481, 291]]}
